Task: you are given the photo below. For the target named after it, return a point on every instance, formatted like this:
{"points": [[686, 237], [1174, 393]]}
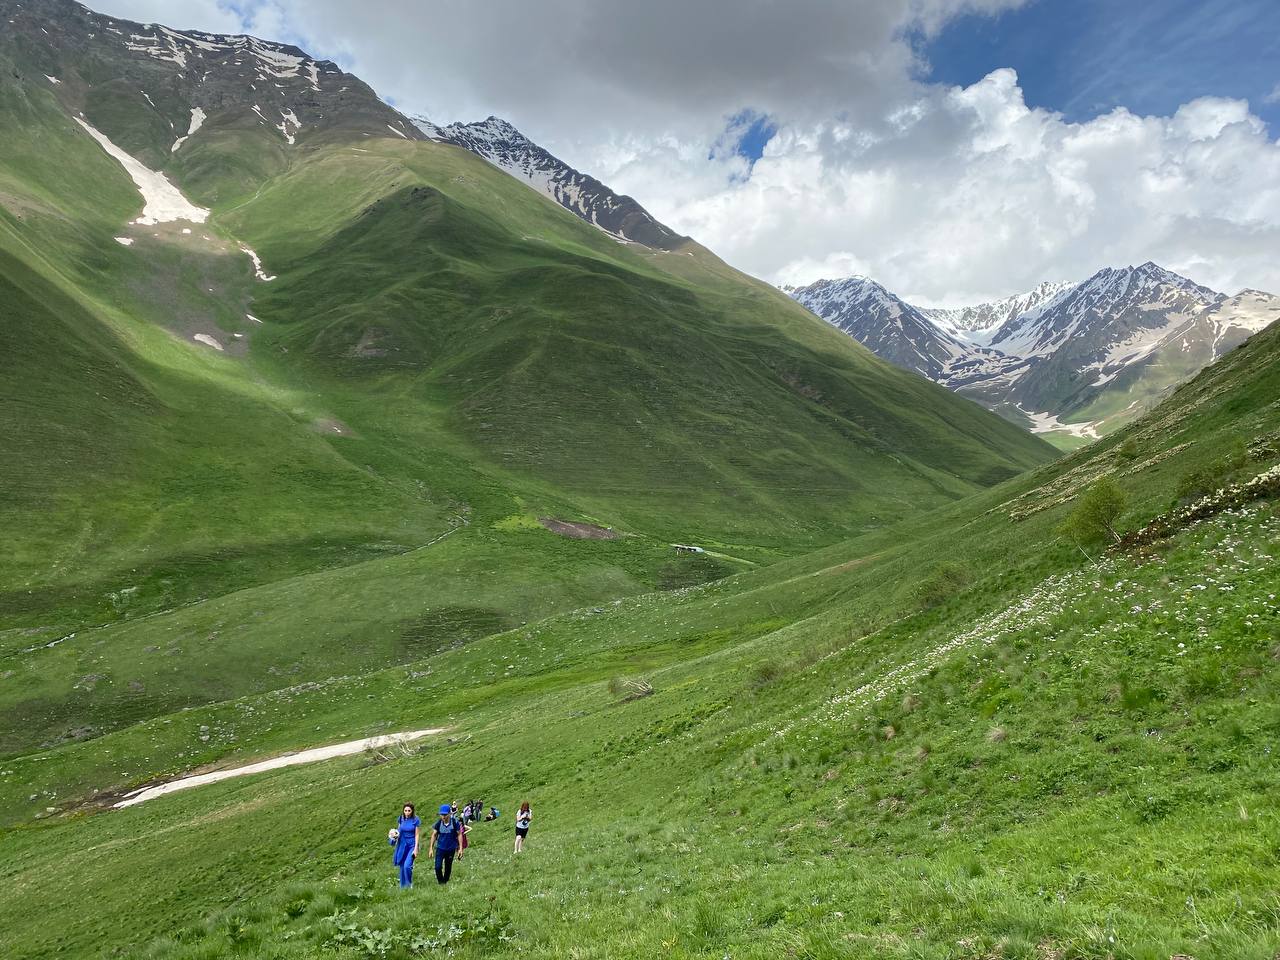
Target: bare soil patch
{"points": [[577, 530], [331, 427]]}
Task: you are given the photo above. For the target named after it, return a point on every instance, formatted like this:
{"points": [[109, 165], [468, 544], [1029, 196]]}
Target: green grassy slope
{"points": [[442, 349], [1050, 759], [914, 726]]}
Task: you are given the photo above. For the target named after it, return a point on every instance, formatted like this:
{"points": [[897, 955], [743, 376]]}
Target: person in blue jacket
{"points": [[445, 840], [405, 838]]}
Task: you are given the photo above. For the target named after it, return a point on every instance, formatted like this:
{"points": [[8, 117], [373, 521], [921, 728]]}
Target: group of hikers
{"points": [[448, 836]]}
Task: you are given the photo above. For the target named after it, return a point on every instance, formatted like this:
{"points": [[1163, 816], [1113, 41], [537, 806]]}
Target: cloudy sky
{"points": [[955, 150]]}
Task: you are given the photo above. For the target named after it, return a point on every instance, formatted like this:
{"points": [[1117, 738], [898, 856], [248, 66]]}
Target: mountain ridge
{"points": [[500, 143], [1059, 357]]}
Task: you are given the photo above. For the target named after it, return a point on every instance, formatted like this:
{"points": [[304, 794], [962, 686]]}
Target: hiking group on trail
{"points": [[448, 839]]}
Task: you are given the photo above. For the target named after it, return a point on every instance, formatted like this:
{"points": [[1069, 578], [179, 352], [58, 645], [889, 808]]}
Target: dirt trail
{"points": [[275, 763]]}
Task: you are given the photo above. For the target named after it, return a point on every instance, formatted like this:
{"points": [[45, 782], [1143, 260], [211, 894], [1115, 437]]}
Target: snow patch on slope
{"points": [[257, 268], [198, 118], [1048, 423], [289, 119], [162, 201]]}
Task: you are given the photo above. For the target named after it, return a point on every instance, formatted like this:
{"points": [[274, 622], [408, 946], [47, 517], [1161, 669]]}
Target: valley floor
{"points": [[1084, 770]]}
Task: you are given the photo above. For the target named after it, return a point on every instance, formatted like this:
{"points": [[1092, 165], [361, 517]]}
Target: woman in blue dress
{"points": [[406, 841]]}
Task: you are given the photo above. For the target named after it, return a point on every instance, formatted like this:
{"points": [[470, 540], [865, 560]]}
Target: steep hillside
{"points": [[324, 364], [508, 149], [1016, 754]]}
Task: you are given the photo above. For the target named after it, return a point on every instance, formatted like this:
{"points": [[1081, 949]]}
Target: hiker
{"points": [[404, 835], [444, 842], [493, 814], [463, 842], [522, 825], [466, 812]]}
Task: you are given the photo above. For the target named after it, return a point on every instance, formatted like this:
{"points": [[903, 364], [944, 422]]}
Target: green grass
{"points": [[976, 798], [892, 714], [1026, 764], [441, 345]]}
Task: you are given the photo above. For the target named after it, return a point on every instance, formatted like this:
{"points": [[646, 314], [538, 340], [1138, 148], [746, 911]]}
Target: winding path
{"points": [[275, 763]]}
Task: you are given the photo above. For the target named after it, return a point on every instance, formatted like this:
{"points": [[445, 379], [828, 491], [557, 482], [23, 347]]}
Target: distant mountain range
{"points": [[1071, 359]]}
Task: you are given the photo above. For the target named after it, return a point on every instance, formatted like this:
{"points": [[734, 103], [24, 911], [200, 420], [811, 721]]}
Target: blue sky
{"points": [[749, 133], [1084, 57]]}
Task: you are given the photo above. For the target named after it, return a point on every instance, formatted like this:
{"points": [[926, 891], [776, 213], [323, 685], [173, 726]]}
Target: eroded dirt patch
{"points": [[332, 427], [577, 530]]}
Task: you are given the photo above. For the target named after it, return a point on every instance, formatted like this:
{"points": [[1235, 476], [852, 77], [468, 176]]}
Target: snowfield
{"points": [[276, 763], [198, 118], [207, 341], [162, 201], [257, 268]]}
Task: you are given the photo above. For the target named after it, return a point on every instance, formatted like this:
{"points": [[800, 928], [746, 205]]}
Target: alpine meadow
{"points": [[324, 426]]}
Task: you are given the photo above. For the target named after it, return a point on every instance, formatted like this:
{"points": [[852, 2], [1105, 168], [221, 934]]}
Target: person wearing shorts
{"points": [[523, 819]]}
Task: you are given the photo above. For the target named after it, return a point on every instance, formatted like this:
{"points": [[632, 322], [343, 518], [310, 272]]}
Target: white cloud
{"points": [[212, 15], [945, 194], [972, 194]]}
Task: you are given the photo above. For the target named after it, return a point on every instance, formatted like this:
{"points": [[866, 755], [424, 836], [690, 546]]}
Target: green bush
{"points": [[1096, 515], [945, 582], [1213, 476]]}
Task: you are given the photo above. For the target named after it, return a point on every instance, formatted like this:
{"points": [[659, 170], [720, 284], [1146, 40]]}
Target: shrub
{"points": [[1213, 476], [946, 581], [1095, 515], [766, 673]]}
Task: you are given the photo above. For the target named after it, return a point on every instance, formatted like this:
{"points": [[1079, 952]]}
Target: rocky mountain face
{"points": [[978, 323], [508, 149], [882, 322], [161, 94], [1067, 358]]}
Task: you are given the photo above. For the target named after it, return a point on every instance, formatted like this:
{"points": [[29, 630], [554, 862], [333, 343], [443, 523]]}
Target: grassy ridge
{"points": [[916, 727], [843, 591], [975, 758]]}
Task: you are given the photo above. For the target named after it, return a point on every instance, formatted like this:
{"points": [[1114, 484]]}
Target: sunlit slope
{"points": [[127, 444], [1003, 541], [575, 360], [433, 327], [441, 354], [923, 763]]}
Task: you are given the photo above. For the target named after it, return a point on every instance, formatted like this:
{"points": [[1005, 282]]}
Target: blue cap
{"points": [[445, 808]]}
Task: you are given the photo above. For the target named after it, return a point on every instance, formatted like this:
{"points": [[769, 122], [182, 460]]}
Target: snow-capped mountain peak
{"points": [[187, 84], [887, 325], [979, 323], [499, 142], [1044, 355]]}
